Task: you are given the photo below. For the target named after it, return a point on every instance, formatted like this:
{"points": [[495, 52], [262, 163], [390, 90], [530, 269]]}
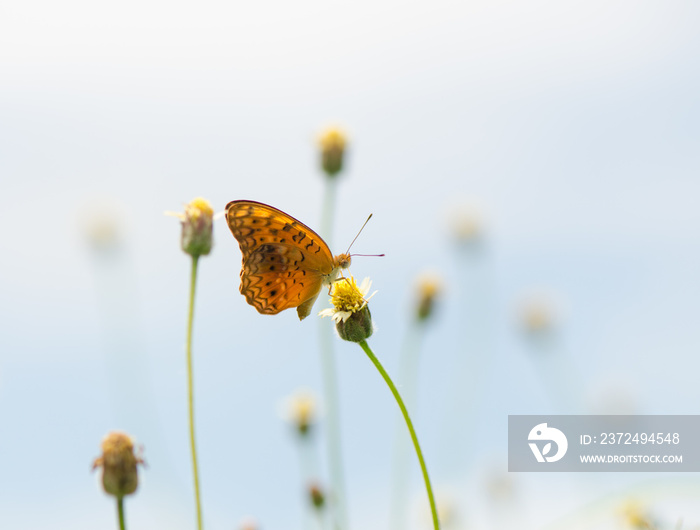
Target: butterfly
{"points": [[285, 263]]}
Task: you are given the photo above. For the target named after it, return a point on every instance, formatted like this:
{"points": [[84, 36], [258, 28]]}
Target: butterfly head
{"points": [[342, 261]]}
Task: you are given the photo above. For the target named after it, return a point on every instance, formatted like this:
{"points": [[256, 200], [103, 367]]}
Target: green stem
{"points": [[408, 372], [409, 424], [190, 391], [120, 513]]}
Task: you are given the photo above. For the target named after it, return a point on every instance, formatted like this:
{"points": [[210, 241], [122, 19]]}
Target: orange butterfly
{"points": [[285, 263]]}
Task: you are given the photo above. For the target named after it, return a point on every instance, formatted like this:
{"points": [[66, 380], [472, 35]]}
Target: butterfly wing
{"points": [[284, 261], [272, 279]]}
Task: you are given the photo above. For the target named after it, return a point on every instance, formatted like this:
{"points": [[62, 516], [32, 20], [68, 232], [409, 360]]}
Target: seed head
{"points": [[118, 463]]}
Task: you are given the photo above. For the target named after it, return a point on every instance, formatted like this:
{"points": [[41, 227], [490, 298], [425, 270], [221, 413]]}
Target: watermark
{"points": [[603, 443]]}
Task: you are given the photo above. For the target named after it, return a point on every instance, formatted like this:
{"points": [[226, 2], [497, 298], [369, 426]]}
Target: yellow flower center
{"points": [[332, 138], [428, 286], [346, 296], [303, 409], [199, 207]]}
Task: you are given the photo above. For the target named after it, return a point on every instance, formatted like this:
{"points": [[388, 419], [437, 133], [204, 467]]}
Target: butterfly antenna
{"points": [[358, 234]]}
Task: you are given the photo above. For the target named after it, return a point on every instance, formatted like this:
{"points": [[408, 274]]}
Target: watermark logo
{"points": [[542, 433], [603, 443]]}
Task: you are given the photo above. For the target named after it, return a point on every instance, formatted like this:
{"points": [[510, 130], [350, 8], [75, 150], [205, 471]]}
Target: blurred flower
{"points": [[318, 499], [102, 233], [332, 143], [249, 523], [499, 486], [350, 313], [466, 223], [102, 223], [446, 509], [301, 409], [197, 227], [637, 517], [537, 315], [429, 287], [118, 463]]}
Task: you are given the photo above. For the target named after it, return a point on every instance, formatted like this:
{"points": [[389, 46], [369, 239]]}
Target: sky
{"points": [[568, 130]]}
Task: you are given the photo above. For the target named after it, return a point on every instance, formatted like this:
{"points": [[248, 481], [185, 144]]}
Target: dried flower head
{"points": [[429, 287], [332, 143], [350, 311], [197, 227], [118, 463], [301, 408]]}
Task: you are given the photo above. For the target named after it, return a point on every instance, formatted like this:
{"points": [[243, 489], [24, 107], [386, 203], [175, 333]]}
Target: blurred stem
{"points": [[333, 444], [120, 513], [320, 519], [408, 372], [330, 383], [190, 391], [411, 430], [328, 209], [308, 471]]}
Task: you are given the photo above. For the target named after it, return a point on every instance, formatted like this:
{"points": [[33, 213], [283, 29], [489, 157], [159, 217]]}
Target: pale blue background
{"points": [[571, 126]]}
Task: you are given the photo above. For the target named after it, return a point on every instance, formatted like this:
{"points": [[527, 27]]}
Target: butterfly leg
{"points": [[330, 286]]}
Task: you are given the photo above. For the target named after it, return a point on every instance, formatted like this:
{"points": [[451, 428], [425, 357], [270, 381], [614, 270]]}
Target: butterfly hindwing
{"points": [[272, 279]]}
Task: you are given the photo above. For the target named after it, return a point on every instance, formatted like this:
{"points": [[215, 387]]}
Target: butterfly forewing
{"points": [[254, 224]]}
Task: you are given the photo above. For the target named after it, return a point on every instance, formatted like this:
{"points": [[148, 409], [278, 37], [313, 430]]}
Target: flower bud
{"points": [[428, 289], [318, 499], [357, 327], [332, 144], [118, 463], [197, 225]]}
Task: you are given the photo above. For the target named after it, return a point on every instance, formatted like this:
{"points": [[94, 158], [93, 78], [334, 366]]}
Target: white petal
{"points": [[365, 286], [370, 296], [328, 312]]}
